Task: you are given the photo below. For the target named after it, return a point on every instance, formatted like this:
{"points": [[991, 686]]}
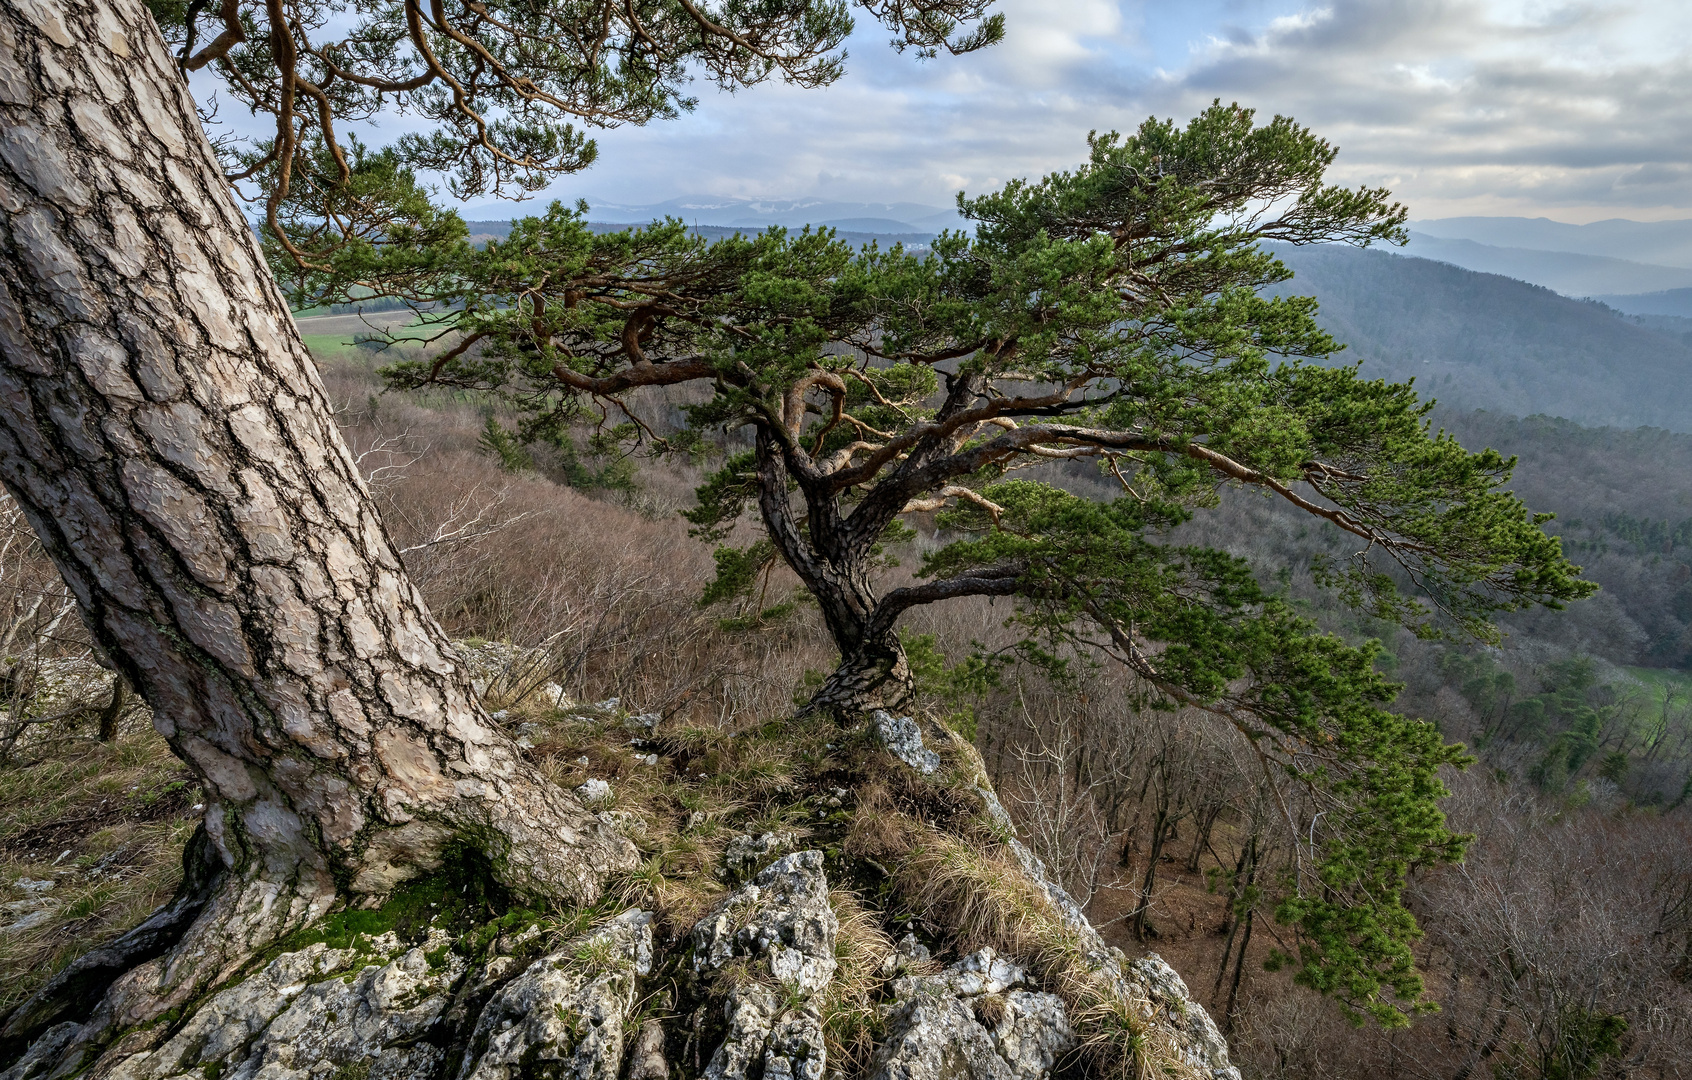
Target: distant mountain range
{"points": [[481, 231], [879, 218], [1662, 243], [1485, 341], [1570, 273], [1672, 302]]}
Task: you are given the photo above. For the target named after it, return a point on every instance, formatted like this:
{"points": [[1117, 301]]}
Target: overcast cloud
{"points": [[1574, 111]]}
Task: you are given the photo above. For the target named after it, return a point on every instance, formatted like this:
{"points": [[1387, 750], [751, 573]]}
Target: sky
{"points": [[1572, 111], [1576, 111]]}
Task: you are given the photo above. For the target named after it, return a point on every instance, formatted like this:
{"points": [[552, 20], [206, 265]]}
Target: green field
{"points": [[1664, 681], [330, 337]]}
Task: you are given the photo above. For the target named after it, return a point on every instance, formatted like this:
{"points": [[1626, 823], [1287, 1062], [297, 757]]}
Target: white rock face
{"points": [[564, 1016], [595, 792], [903, 739], [1202, 1043], [968, 1022], [750, 1012], [316, 1015], [291, 1022], [796, 1049], [746, 851], [781, 919]]}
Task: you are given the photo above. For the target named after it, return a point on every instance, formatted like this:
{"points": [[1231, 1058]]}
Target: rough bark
{"points": [[165, 431], [873, 672], [876, 676]]}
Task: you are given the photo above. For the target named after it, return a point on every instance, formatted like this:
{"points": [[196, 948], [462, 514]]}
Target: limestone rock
{"points": [[782, 921], [967, 1022], [301, 1018], [937, 1038], [903, 739], [1197, 1038], [796, 1049], [908, 953], [595, 792], [29, 913], [563, 1017], [1201, 1041], [750, 1012], [781, 917], [746, 851]]}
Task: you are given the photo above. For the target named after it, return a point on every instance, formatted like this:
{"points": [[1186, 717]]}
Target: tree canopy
{"points": [[1110, 315], [503, 85]]}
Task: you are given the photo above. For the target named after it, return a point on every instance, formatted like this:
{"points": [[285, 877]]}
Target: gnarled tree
{"points": [[1111, 315], [165, 432]]}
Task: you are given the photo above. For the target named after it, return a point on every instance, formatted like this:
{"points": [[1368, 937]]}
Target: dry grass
{"points": [[106, 822], [972, 891], [849, 1004]]}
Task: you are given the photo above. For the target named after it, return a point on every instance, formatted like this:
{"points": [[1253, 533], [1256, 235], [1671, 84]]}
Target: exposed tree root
{"points": [[217, 921]]}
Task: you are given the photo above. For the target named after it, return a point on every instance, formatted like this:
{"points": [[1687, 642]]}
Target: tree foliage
{"points": [[502, 86], [1112, 315]]}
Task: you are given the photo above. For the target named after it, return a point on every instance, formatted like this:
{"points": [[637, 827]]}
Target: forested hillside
{"points": [[1481, 341]]}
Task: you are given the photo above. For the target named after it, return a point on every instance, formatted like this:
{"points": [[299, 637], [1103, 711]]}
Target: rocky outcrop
{"points": [[743, 995], [972, 1020], [745, 852], [781, 920], [377, 1012], [320, 1012], [902, 737], [781, 924], [564, 1016], [1194, 1036]]}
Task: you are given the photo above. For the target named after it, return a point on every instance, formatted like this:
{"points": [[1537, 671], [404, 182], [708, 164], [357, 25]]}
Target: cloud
{"points": [[1572, 110], [1513, 107]]}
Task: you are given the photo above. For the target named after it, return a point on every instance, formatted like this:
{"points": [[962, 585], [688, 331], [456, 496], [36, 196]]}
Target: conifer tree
{"points": [[1111, 315], [166, 433]]}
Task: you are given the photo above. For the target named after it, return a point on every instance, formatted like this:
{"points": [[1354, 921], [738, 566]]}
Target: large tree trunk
{"points": [[166, 432], [875, 675]]}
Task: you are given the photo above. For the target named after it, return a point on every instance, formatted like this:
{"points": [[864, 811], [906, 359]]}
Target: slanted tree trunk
{"points": [[165, 431], [834, 565]]}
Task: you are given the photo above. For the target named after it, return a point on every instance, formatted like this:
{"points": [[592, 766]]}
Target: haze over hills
{"points": [[732, 211], [1570, 273], [1672, 302], [1484, 341], [1663, 243], [846, 231]]}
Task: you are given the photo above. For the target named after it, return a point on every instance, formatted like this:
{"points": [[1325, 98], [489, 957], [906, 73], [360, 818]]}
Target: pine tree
{"points": [[1111, 315]]}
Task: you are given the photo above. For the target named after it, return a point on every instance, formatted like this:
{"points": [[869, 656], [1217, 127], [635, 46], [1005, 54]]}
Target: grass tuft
{"points": [[107, 823], [851, 1019]]}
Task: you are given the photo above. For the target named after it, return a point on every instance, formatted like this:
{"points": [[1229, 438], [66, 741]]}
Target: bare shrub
{"points": [[1058, 805], [608, 591]]}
